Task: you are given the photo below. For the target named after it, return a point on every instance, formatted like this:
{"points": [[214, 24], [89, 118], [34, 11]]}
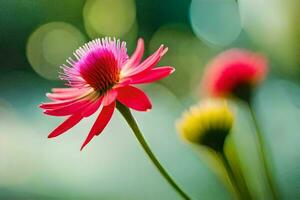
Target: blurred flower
{"points": [[234, 72], [207, 123], [102, 74]]}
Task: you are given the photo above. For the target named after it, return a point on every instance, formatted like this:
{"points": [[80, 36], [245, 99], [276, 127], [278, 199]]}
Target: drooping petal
{"points": [[100, 123], [92, 108], [63, 103], [69, 109], [152, 75], [66, 125], [136, 57], [56, 104], [109, 97], [134, 98]]}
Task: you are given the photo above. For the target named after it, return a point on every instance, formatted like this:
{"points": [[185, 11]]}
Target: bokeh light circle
{"points": [[187, 54], [50, 45], [216, 21], [109, 17], [271, 25]]}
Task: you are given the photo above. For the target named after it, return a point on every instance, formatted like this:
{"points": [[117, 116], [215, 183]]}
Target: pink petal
{"points": [[68, 94], [100, 123], [66, 125], [152, 75], [136, 57], [61, 96], [62, 103], [56, 104], [109, 97], [134, 98], [63, 90], [91, 109], [150, 62], [69, 109]]}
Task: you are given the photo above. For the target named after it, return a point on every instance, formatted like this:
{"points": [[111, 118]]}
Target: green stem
{"points": [[239, 174], [262, 147], [133, 125], [231, 175]]}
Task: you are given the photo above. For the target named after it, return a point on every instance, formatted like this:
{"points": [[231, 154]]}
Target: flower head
{"points": [[234, 72], [101, 74], [207, 123]]}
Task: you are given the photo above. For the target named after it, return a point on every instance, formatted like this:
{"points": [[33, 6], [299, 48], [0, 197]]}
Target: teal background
{"points": [[114, 166]]}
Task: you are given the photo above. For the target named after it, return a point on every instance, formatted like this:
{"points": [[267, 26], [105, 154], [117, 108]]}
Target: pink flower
{"points": [[234, 72], [101, 74]]}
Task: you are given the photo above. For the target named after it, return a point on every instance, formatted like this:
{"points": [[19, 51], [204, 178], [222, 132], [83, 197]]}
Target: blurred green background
{"points": [[36, 36]]}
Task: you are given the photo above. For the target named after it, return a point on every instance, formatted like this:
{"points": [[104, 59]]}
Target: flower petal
{"points": [[100, 123], [109, 97], [57, 104], [136, 57], [66, 125], [134, 98], [153, 75], [68, 94], [62, 103], [69, 109], [150, 62], [231, 68], [92, 108], [63, 90]]}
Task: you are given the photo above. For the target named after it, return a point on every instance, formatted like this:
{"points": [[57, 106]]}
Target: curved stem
{"points": [[238, 173], [231, 175], [133, 125], [263, 155]]}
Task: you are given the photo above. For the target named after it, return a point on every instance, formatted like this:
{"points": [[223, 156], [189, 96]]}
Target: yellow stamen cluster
{"points": [[211, 116]]}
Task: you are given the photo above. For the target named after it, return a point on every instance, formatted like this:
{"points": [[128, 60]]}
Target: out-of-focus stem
{"points": [[262, 146], [231, 175]]}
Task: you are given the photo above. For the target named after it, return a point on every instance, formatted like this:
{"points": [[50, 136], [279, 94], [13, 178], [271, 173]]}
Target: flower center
{"points": [[243, 91], [214, 138], [100, 70]]}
